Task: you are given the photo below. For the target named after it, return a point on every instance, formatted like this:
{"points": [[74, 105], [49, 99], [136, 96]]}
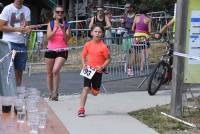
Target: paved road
{"points": [[71, 83]]}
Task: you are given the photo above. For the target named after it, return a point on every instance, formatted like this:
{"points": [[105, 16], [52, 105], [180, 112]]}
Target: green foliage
{"points": [[156, 5]]}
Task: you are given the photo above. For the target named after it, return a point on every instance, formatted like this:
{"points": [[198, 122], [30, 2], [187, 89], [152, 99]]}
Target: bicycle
{"points": [[162, 73]]}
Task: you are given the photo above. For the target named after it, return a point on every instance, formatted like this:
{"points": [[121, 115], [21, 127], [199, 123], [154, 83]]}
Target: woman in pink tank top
{"points": [[58, 33], [141, 27]]}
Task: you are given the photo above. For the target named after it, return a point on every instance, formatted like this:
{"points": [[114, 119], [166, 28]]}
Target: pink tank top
{"points": [[57, 41], [141, 26]]}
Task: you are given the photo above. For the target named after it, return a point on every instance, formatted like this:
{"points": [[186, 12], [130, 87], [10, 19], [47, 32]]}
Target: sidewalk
{"points": [[107, 113]]}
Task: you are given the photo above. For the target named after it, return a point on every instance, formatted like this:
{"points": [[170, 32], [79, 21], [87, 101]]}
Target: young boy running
{"points": [[96, 55]]}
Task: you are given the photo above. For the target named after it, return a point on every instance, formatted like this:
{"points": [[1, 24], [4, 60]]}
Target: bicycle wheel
{"points": [[157, 78]]}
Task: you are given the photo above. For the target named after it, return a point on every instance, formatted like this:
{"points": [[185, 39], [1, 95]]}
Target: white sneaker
{"points": [[130, 72]]}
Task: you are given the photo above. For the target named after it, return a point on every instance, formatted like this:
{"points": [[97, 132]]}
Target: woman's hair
{"points": [[107, 12], [54, 10], [143, 9], [101, 27]]}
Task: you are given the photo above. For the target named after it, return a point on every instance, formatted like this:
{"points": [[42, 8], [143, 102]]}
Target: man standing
{"points": [[14, 20], [127, 19]]}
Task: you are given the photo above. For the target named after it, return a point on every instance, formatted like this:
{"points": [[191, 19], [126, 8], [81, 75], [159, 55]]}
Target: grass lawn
{"points": [[164, 125]]}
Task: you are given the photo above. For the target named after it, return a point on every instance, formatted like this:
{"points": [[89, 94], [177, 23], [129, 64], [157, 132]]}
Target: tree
{"points": [[156, 5], [100, 3]]}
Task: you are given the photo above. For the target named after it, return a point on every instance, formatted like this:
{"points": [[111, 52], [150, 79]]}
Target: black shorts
{"points": [[139, 47], [55, 54], [95, 82]]}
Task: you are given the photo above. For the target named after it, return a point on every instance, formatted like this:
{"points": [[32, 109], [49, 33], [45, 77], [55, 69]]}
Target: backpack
{"points": [[66, 25]]}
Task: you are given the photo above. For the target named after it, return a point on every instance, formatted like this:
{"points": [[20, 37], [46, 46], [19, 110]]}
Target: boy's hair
{"points": [[100, 26]]}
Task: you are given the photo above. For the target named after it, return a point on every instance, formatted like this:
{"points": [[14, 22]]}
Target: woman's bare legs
{"points": [[49, 67], [131, 62], [18, 77], [59, 62], [144, 55]]}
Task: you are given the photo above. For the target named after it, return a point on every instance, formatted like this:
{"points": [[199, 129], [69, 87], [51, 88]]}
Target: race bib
{"points": [[88, 72]]}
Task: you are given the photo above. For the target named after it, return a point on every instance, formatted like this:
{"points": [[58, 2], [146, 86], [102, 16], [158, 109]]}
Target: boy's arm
{"points": [[105, 64], [83, 56], [83, 62]]}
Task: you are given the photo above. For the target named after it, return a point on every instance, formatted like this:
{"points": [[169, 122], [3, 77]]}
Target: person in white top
{"points": [[14, 21]]}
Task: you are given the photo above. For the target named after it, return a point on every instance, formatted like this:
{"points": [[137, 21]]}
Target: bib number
{"points": [[88, 72]]}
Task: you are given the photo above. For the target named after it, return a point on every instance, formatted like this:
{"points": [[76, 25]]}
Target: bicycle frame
{"points": [[162, 72], [168, 59]]}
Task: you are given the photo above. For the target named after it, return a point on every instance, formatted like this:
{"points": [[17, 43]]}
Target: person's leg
{"points": [[131, 61], [18, 77], [144, 54], [19, 61], [84, 97], [59, 62], [142, 60], [49, 67], [96, 83]]}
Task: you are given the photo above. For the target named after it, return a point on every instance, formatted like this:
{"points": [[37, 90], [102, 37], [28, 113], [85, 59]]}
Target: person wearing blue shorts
{"points": [[14, 21]]}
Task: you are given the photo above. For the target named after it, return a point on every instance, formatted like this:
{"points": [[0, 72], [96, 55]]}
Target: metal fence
{"points": [[81, 33], [7, 84], [129, 58], [127, 55]]}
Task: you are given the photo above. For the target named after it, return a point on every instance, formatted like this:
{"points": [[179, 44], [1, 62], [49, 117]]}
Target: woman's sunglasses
{"points": [[61, 12]]}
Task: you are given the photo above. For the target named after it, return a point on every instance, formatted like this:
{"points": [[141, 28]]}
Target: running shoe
{"points": [[55, 97], [95, 91], [81, 112], [130, 72]]}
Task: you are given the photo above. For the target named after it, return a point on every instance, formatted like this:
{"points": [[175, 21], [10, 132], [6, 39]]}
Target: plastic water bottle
{"points": [[126, 42]]}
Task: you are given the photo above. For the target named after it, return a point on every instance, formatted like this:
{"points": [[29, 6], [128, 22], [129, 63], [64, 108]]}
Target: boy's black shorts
{"points": [[95, 82]]}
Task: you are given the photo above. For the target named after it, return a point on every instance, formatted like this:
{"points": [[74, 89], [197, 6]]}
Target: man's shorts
{"points": [[95, 82], [55, 54], [20, 57]]}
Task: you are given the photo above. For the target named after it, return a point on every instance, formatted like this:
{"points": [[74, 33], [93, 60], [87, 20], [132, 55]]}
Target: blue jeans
{"points": [[20, 58]]}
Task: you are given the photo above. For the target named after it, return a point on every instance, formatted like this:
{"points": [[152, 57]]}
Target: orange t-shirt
{"points": [[95, 53]]}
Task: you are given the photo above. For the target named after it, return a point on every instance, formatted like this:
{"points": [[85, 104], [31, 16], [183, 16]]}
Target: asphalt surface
{"points": [[105, 114], [72, 83]]}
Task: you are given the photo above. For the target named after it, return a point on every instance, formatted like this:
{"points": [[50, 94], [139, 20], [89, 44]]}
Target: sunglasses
{"points": [[62, 12]]}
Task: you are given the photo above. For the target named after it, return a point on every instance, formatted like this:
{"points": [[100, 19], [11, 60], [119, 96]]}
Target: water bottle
{"points": [[126, 42]]}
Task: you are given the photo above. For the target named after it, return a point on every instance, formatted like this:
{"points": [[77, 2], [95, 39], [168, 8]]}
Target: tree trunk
{"points": [[100, 3], [71, 8]]}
